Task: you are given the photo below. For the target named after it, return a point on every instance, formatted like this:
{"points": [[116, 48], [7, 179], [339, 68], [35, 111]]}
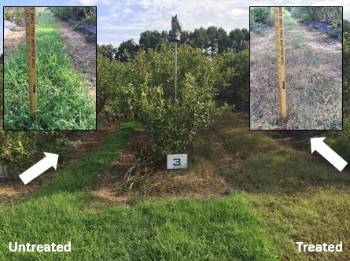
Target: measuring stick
{"points": [[30, 39], [281, 67]]}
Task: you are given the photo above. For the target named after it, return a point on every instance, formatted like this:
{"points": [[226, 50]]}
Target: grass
{"points": [[279, 195], [64, 209], [313, 81], [219, 229], [79, 175], [63, 102], [300, 196]]}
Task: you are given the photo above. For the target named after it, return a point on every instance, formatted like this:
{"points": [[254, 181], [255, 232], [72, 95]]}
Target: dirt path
{"points": [[82, 52], [315, 39], [12, 40], [314, 80]]}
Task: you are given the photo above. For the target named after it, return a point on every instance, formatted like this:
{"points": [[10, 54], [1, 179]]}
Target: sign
{"points": [[177, 161]]}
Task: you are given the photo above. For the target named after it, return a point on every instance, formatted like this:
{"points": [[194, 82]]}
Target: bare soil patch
{"points": [[83, 54], [12, 40]]}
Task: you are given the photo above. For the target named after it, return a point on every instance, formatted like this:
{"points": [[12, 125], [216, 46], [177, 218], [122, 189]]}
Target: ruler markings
{"points": [[280, 55], [31, 57]]}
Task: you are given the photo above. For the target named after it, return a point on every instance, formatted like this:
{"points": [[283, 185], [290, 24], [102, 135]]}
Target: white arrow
{"points": [[317, 144], [40, 167]]}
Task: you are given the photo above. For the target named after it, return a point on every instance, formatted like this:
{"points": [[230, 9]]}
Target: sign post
{"points": [[280, 55], [175, 36], [30, 40], [175, 71]]}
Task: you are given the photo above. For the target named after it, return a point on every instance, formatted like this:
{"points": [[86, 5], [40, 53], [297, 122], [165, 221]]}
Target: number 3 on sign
{"points": [[177, 161]]}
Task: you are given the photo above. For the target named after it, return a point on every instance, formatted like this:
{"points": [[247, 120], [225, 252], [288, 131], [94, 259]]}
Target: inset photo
{"points": [[49, 68], [296, 68]]}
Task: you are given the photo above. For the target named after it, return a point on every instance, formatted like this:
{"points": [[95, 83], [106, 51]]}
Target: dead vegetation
{"points": [[314, 81], [130, 178]]}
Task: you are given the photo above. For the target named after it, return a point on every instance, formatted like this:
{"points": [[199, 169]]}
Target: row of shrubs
{"points": [[84, 14], [143, 88], [262, 17]]}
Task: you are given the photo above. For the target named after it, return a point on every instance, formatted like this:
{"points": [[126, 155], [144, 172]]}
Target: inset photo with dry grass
{"points": [[296, 68], [50, 68]]}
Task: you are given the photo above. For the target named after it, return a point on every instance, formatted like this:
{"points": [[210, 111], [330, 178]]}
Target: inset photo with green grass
{"points": [[49, 68], [296, 68]]}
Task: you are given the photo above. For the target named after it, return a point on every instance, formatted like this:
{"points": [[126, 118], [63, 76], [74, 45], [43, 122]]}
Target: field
{"points": [[246, 195], [313, 80], [265, 209], [63, 102]]}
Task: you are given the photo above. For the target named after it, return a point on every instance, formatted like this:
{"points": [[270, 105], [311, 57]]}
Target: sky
{"points": [[120, 20]]}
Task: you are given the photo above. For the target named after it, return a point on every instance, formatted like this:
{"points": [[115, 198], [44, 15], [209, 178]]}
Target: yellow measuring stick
{"points": [[30, 39], [281, 67]]}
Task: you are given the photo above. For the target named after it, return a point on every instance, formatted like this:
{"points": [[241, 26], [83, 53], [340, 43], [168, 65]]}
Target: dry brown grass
{"points": [[129, 179], [314, 81]]}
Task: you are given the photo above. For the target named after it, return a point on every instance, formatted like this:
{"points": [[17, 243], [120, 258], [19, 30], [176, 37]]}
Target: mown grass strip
{"points": [[217, 229], [79, 175], [63, 102], [64, 210]]}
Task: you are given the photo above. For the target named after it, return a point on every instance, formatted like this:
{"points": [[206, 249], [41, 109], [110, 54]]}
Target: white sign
{"points": [[177, 161]]}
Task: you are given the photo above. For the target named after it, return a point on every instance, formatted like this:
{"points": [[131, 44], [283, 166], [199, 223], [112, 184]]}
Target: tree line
{"points": [[212, 40]]}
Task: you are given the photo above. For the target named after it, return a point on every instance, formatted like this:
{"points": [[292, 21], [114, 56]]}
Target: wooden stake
{"points": [[281, 67], [30, 39]]}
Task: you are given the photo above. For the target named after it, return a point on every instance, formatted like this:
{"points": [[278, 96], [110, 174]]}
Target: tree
{"points": [[239, 39], [199, 39], [107, 51], [126, 50], [151, 40]]}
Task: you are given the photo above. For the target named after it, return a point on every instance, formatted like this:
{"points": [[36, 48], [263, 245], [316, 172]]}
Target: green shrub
{"points": [[143, 88], [325, 14], [258, 28], [261, 15], [86, 14], [335, 32], [232, 79], [15, 14], [172, 125]]}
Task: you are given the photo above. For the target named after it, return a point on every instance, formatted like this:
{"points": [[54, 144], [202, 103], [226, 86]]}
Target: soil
{"points": [[13, 39], [83, 54], [317, 40]]}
